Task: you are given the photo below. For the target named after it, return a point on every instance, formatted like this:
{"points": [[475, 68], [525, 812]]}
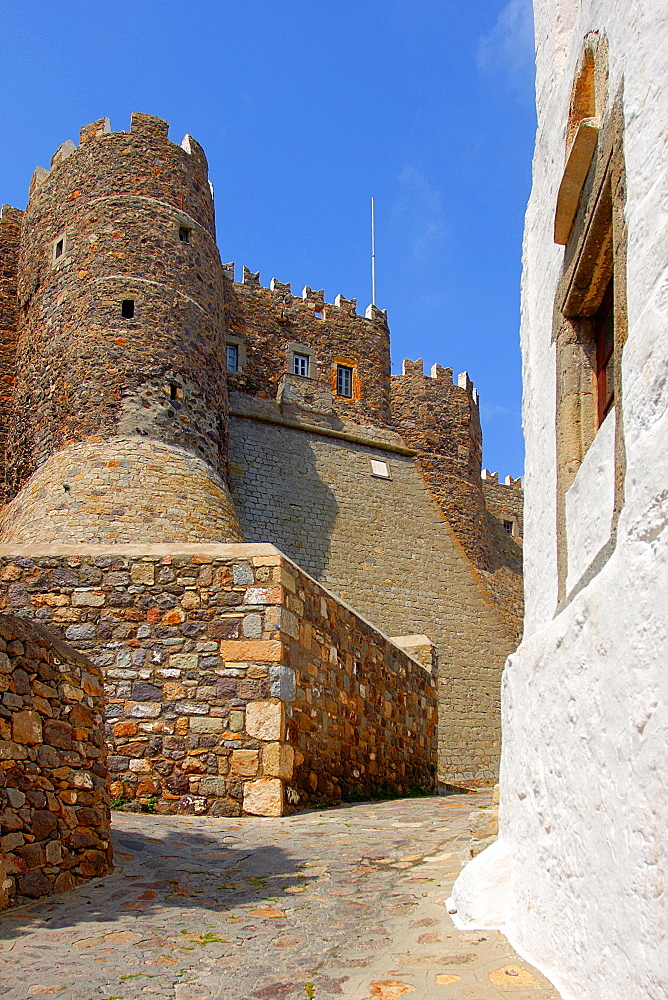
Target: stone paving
{"points": [[332, 903]]}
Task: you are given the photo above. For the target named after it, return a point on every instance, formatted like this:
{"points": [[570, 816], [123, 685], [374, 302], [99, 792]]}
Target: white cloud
{"points": [[507, 51], [417, 214], [492, 411]]}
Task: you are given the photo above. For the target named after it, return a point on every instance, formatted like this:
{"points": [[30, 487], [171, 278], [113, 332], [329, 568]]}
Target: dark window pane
{"points": [[232, 357], [604, 331], [344, 381], [300, 365]]}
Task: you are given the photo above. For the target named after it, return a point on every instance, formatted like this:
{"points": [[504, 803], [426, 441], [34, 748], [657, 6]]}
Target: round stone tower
{"points": [[119, 428]]}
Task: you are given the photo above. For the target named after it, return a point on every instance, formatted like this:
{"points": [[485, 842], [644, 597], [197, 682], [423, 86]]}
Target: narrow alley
{"points": [[343, 902]]}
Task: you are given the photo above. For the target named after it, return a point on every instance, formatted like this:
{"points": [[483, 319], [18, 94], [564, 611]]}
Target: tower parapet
{"points": [[120, 344], [437, 415], [441, 420]]}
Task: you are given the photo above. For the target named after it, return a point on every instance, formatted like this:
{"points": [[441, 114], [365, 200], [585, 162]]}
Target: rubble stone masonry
{"points": [[234, 682], [301, 477], [272, 322], [54, 798], [10, 232]]}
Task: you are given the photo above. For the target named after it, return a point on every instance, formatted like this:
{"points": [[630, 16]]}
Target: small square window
{"points": [[344, 381], [380, 469], [508, 527], [184, 234], [300, 365], [232, 357], [59, 248], [128, 308]]}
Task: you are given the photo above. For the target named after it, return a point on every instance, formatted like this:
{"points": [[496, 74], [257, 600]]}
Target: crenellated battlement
{"points": [[311, 299], [505, 501], [148, 129], [492, 479], [438, 374], [120, 342], [10, 216], [270, 326]]}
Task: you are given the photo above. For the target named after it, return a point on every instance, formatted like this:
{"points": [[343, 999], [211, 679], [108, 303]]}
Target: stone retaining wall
{"points": [[234, 681], [365, 714], [54, 798]]}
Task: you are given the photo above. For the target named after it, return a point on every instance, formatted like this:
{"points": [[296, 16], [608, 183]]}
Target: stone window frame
{"points": [[594, 255], [298, 348], [233, 341], [375, 470], [356, 388], [56, 261], [179, 223]]}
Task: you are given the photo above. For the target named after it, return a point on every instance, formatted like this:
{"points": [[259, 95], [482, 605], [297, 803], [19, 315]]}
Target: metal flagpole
{"points": [[373, 254]]}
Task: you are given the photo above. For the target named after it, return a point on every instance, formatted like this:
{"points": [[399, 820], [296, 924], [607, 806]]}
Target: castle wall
{"points": [[54, 798], [442, 421], [119, 423], [385, 548], [233, 681], [123, 218], [269, 321], [10, 234], [580, 866]]}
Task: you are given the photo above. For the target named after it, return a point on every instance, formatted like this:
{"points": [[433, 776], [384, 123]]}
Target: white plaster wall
{"points": [[590, 503], [584, 799]]}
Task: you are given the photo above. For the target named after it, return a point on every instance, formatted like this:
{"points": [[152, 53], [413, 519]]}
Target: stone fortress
{"points": [[217, 493]]}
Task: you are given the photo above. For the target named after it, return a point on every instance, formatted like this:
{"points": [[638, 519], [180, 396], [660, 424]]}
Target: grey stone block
{"points": [[283, 683]]}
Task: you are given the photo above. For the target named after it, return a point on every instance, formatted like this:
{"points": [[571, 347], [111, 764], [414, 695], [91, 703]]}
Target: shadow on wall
{"points": [[280, 496]]}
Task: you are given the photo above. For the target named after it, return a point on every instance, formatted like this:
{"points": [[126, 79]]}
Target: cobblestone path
{"points": [[329, 904]]}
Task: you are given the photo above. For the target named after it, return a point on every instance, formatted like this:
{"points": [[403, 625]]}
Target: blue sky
{"points": [[305, 109]]}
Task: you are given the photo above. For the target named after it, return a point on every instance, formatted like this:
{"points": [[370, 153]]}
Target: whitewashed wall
{"points": [[584, 778]]}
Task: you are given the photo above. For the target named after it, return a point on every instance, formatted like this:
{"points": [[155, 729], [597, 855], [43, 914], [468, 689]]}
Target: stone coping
{"points": [[361, 436], [211, 550], [221, 550]]}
